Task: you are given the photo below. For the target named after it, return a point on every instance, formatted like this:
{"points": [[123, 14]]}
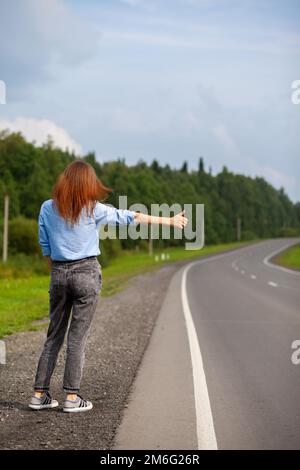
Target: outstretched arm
{"points": [[179, 220]]}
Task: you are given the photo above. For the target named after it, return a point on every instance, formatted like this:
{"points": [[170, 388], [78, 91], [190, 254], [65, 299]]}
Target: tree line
{"points": [[28, 172]]}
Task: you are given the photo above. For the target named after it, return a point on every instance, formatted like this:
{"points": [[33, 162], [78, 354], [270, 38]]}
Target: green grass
{"points": [[21, 265], [24, 300], [289, 258]]}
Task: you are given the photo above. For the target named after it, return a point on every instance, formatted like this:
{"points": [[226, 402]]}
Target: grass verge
{"points": [[289, 258]]}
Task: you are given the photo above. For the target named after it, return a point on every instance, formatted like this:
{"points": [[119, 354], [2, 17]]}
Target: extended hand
{"points": [[179, 221]]}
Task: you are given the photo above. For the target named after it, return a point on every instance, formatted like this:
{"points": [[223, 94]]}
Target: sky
{"points": [[170, 80]]}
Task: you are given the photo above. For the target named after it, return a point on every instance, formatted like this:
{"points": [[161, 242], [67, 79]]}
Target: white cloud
{"points": [[39, 130]]}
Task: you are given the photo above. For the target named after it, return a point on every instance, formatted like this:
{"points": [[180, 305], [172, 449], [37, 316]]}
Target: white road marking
{"points": [[267, 262], [206, 436], [234, 266], [253, 276], [273, 284]]}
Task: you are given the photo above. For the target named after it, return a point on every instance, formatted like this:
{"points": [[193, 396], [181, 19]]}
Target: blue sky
{"points": [[165, 79]]}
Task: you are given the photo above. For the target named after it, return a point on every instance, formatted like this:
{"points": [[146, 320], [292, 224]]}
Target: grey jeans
{"points": [[74, 293]]}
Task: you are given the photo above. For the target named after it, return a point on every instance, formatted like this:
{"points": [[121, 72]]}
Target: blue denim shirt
{"points": [[62, 242]]}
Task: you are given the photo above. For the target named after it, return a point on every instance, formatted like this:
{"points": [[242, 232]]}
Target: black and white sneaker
{"points": [[43, 402], [78, 405]]}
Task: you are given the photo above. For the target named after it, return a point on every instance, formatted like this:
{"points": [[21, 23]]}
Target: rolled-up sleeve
{"points": [[105, 214], [43, 236]]}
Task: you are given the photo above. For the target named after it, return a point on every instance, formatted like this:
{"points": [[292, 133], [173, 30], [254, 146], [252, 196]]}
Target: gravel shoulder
{"points": [[121, 330]]}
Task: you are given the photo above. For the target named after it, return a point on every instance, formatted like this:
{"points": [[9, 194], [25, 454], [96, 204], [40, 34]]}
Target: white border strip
{"points": [[206, 436], [276, 266]]}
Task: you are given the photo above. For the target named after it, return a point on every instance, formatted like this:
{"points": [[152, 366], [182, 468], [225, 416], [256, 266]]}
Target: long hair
{"points": [[76, 188]]}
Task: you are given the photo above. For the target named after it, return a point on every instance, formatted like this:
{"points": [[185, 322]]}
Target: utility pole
{"points": [[5, 228], [238, 229]]}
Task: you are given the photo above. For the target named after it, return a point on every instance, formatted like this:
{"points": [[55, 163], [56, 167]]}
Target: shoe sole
{"points": [[77, 410], [43, 407]]}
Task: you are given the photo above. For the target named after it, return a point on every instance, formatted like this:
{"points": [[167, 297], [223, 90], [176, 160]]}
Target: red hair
{"points": [[78, 187]]}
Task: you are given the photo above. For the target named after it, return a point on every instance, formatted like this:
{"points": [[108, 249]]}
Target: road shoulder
{"points": [[120, 334], [160, 413]]}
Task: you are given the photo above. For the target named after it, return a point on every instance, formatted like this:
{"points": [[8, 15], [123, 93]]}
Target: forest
{"points": [[28, 172]]}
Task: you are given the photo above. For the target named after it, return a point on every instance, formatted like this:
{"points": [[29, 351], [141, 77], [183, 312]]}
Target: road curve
{"points": [[223, 377]]}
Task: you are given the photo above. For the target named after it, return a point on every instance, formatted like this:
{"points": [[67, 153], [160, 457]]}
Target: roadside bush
{"points": [[289, 232], [248, 235], [21, 265], [110, 249], [23, 236], [1, 236], [143, 245]]}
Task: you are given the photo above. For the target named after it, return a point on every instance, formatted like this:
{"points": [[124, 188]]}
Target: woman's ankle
{"points": [[39, 393], [72, 396]]}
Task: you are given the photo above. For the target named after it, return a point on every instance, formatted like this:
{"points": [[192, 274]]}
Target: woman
{"points": [[69, 236]]}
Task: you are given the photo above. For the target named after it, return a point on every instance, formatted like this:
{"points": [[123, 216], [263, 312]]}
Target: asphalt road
{"points": [[217, 372]]}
